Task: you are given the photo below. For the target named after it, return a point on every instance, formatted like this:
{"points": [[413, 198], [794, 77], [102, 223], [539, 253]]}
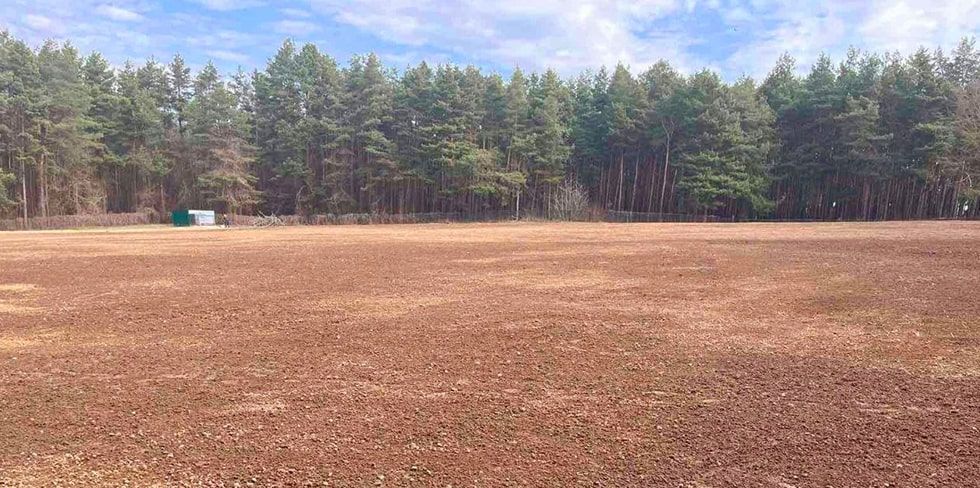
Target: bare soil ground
{"points": [[782, 355]]}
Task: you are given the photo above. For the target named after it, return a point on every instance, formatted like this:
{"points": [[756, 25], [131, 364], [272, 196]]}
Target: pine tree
{"points": [[491, 179], [961, 164], [868, 138], [754, 151], [413, 104], [662, 122], [60, 120], [20, 89], [516, 118], [450, 145], [222, 156], [548, 150], [138, 142], [863, 151], [179, 90], [494, 112], [626, 127], [369, 101], [516, 121], [279, 119], [321, 93], [964, 67], [6, 200], [732, 147]]}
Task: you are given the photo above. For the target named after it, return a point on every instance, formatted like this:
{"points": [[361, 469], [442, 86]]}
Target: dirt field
{"points": [[493, 355]]}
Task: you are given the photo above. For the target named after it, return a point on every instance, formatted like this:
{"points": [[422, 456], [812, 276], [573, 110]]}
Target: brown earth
{"points": [[782, 355]]}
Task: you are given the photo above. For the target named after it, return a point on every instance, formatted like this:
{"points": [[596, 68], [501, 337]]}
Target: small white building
{"points": [[202, 217], [185, 218]]}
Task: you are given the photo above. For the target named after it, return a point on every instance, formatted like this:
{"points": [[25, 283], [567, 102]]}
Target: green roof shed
{"points": [[181, 218]]}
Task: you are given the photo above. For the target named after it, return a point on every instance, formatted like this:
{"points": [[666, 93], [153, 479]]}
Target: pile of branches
{"points": [[268, 221]]}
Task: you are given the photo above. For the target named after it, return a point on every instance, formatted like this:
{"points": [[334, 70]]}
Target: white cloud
{"points": [[38, 22], [224, 39], [413, 58], [736, 36], [118, 13], [292, 27], [295, 12], [226, 5], [571, 35], [562, 34], [806, 29], [232, 56], [904, 26]]}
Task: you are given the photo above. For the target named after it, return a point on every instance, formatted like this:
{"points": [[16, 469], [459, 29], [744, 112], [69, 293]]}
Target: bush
{"points": [[570, 201], [76, 221]]}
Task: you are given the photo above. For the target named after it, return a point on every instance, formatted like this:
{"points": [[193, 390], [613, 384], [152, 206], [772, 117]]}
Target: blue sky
{"points": [[733, 37]]}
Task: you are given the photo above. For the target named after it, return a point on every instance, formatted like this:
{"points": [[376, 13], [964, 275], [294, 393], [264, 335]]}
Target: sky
{"points": [[732, 37]]}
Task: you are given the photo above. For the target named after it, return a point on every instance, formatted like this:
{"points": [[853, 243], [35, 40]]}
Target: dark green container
{"points": [[181, 218]]}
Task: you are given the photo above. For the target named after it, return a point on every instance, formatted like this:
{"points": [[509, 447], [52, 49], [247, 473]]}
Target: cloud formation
{"points": [[228, 5], [118, 13], [295, 28], [560, 34], [735, 37]]}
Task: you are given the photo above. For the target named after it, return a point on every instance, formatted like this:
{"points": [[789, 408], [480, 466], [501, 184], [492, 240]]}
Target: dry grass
{"points": [[16, 309], [16, 287]]}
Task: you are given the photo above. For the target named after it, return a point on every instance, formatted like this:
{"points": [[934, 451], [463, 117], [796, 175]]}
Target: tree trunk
{"points": [[517, 216], [663, 188], [653, 182], [619, 192], [866, 199], [673, 184], [43, 180], [23, 190]]}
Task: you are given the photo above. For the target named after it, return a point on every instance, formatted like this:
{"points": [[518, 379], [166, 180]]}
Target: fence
{"points": [[593, 215], [616, 216], [75, 221], [109, 220], [369, 218]]}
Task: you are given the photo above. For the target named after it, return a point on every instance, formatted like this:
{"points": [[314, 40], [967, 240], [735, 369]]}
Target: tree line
{"points": [[869, 137]]}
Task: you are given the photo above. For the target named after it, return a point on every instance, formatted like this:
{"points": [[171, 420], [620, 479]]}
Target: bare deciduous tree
{"points": [[570, 201]]}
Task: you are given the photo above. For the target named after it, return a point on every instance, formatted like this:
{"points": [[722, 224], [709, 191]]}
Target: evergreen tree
{"points": [[961, 165], [451, 139], [63, 141], [516, 119], [662, 121], [547, 151], [369, 102], [20, 92], [6, 200], [863, 151], [100, 84], [279, 121], [321, 127], [732, 148], [625, 127], [179, 89], [217, 129], [964, 67], [517, 142], [414, 100], [494, 112], [867, 138]]}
